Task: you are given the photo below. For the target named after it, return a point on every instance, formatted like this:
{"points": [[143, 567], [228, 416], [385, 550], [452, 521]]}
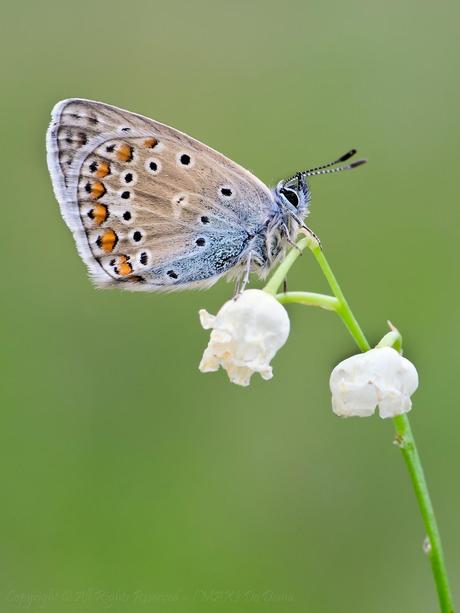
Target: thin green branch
{"points": [[404, 436], [392, 339], [344, 310], [310, 299], [404, 439], [433, 546]]}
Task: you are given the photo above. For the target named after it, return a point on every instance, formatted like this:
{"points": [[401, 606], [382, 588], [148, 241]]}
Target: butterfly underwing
{"points": [[153, 209]]}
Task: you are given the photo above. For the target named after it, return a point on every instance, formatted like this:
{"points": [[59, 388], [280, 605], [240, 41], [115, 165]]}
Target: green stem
{"points": [[392, 339], [404, 436], [309, 298], [344, 310], [433, 546], [404, 439]]}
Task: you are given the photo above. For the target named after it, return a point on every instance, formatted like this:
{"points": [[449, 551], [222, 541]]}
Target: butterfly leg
{"points": [[309, 232], [237, 289], [243, 281], [289, 240], [248, 270]]}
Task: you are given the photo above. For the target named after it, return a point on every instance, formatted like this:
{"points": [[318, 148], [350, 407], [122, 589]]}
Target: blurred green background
{"points": [[129, 480]]}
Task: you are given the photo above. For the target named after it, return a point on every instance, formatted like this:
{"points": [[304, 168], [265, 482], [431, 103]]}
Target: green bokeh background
{"points": [[130, 481]]}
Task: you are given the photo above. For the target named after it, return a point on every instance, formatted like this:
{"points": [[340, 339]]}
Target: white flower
{"points": [[246, 334], [380, 377]]}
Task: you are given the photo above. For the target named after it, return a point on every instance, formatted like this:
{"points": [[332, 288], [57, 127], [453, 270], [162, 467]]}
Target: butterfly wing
{"points": [[150, 207]]}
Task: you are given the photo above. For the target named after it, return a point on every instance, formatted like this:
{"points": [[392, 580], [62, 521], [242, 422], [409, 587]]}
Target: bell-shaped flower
{"points": [[246, 334], [380, 377]]}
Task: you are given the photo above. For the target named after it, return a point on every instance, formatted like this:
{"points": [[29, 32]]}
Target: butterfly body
{"points": [[153, 209]]}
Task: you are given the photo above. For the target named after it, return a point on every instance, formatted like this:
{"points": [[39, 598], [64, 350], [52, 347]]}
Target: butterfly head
{"points": [[293, 196]]}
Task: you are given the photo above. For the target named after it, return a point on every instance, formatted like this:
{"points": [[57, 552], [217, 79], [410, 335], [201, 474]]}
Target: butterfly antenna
{"points": [[323, 169], [326, 171], [343, 158]]}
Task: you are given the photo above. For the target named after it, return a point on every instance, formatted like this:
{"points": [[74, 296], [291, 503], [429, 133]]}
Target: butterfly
{"points": [[153, 209]]}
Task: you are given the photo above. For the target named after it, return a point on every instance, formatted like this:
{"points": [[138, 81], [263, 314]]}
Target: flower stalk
{"points": [[329, 303], [344, 310], [433, 547], [404, 436]]}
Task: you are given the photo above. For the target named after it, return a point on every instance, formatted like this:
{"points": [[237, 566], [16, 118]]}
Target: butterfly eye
{"points": [[290, 196]]}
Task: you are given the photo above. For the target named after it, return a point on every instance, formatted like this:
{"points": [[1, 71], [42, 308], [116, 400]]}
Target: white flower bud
{"points": [[380, 377], [246, 334]]}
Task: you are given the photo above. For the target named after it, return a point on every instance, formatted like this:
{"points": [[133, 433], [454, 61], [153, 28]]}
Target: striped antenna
{"points": [[312, 173], [326, 168], [343, 158]]}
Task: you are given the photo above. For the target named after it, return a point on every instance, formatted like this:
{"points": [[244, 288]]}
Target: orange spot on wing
{"points": [[99, 214], [150, 143], [103, 170], [125, 153], [107, 241], [124, 267], [97, 190]]}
